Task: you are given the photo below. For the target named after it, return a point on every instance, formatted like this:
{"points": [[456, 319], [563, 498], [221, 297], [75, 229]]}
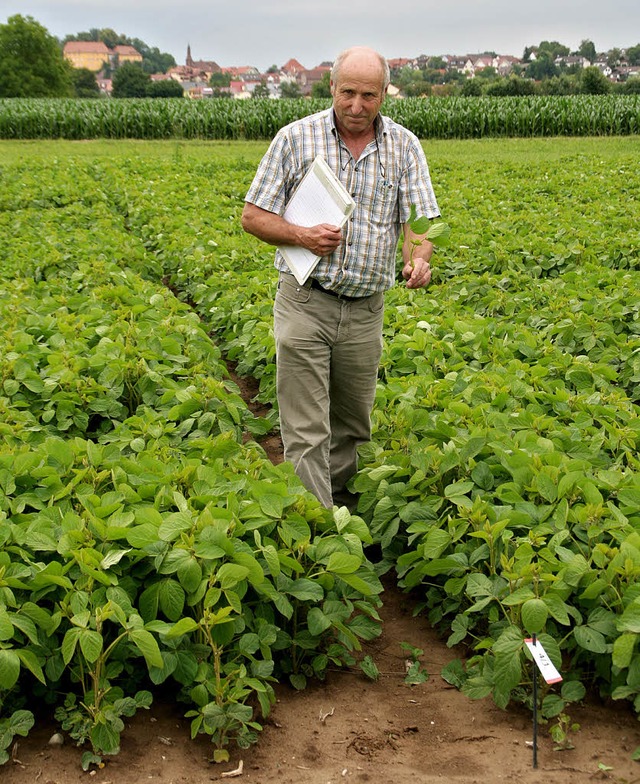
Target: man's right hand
{"points": [[322, 239]]}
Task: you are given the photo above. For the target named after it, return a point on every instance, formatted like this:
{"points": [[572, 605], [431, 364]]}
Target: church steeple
{"points": [[189, 60]]}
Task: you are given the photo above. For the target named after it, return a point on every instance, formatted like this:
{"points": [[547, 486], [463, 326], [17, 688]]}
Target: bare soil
{"points": [[351, 729]]}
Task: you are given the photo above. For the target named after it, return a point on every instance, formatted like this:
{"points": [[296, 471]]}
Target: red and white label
{"points": [[545, 665]]}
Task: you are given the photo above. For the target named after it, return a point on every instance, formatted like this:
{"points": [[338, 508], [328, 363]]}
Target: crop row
{"points": [[446, 118]]}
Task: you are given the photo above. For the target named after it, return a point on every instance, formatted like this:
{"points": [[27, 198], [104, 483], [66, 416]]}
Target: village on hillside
{"points": [[207, 79]]}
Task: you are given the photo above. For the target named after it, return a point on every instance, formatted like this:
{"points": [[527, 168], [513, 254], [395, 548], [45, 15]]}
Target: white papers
{"points": [[545, 665], [319, 198]]}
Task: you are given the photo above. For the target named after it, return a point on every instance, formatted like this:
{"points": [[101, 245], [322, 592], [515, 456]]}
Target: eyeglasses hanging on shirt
{"points": [[382, 185]]}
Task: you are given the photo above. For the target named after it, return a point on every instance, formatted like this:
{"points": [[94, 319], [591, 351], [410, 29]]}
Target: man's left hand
{"points": [[417, 276]]}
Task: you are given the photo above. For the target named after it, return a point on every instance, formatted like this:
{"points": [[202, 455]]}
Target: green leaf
{"points": [[105, 738], [190, 574], [343, 563], [416, 674], [534, 615], [298, 681], [146, 643], [69, 643], [171, 597], [439, 233], [20, 722], [369, 668], [229, 575], [629, 621], [89, 759], [546, 487], [183, 626], [306, 590], [458, 489], [552, 705], [317, 621], [30, 661], [573, 691], [590, 639], [6, 627], [365, 582], [112, 558], [90, 644], [9, 668], [623, 648]]}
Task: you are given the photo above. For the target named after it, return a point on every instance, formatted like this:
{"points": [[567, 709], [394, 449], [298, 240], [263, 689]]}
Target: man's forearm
{"points": [[322, 239], [269, 227], [415, 246]]}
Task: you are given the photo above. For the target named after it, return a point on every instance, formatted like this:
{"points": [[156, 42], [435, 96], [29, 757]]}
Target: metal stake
{"points": [[535, 709]]}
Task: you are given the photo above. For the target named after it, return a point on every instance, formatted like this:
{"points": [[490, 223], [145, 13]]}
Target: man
{"points": [[328, 331]]}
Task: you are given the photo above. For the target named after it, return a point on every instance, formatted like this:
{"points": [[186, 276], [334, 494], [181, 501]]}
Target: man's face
{"points": [[357, 94]]}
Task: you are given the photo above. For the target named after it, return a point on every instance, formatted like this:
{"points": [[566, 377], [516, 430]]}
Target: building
{"points": [[94, 55], [88, 54], [127, 54]]}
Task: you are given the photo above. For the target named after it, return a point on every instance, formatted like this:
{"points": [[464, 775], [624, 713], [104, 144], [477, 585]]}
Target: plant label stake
{"points": [[543, 663]]}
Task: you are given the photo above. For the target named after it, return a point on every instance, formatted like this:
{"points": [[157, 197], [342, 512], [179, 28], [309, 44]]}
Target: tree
{"points": [[587, 49], [31, 61], [559, 85], [220, 79], [322, 89], [553, 49], [513, 85], [486, 74], [614, 57], [472, 87], [633, 55], [84, 83], [436, 63], [260, 91], [542, 67], [130, 81], [631, 86], [165, 88], [411, 82], [594, 82], [290, 90]]}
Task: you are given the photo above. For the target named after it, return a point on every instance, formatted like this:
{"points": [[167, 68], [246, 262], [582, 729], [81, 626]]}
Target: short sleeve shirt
{"points": [[390, 176]]}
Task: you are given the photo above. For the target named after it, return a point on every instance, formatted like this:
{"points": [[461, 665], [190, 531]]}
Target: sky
{"points": [[270, 32]]}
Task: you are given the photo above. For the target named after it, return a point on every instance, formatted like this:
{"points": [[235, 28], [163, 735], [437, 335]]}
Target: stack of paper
{"points": [[319, 198]]}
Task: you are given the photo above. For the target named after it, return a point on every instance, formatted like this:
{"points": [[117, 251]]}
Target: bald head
{"points": [[366, 61]]}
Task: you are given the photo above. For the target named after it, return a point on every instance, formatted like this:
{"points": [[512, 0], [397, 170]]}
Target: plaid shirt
{"points": [[390, 175]]}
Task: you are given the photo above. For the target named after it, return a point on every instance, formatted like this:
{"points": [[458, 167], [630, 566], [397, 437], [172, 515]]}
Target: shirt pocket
{"points": [[383, 204]]}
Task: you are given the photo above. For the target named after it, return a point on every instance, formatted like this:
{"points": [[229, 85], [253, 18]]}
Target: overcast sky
{"points": [[267, 32]]}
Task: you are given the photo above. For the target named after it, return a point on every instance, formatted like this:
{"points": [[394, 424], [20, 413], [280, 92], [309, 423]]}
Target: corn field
{"points": [[442, 118]]}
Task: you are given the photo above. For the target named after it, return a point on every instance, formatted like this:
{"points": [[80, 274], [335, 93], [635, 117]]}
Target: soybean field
{"points": [[146, 541]]}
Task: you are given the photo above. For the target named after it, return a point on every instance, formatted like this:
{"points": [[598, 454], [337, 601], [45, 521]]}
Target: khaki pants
{"points": [[327, 355]]}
